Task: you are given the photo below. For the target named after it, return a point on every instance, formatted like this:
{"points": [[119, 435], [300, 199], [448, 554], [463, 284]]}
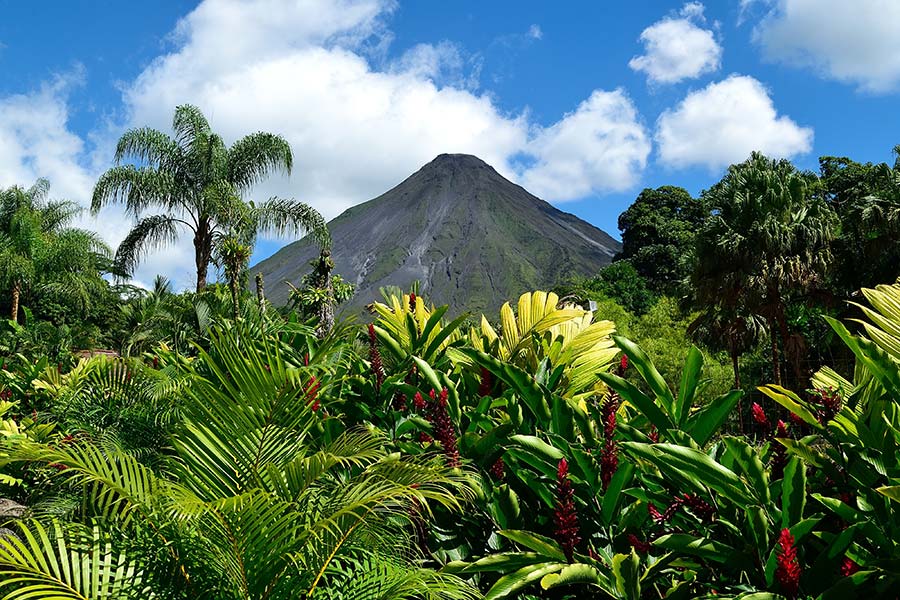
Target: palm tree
{"points": [[38, 252], [198, 183], [768, 236]]}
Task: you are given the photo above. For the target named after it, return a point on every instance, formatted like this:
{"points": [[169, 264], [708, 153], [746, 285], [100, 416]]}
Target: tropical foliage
{"points": [[665, 429]]}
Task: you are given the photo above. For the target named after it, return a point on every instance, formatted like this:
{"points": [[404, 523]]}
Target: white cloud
{"points": [[856, 42], [35, 140], [356, 130], [724, 122], [314, 72], [677, 48], [601, 146], [535, 32]]}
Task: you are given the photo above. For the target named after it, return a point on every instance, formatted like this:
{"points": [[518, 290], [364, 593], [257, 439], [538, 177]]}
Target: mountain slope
{"points": [[471, 237]]}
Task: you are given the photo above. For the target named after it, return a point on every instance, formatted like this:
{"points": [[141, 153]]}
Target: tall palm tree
{"points": [[197, 182], [768, 236], [39, 252]]}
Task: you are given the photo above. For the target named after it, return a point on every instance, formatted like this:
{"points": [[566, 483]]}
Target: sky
{"points": [[584, 103]]}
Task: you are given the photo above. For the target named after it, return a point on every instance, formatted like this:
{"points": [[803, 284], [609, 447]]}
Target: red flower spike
{"points": [[623, 364], [830, 401], [418, 401], [312, 393], [498, 470], [412, 302], [759, 415], [849, 567], [486, 384], [609, 455], [375, 358], [787, 573], [653, 436], [565, 518], [442, 427], [641, 546]]}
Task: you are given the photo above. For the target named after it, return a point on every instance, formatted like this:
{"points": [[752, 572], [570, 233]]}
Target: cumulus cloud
{"points": [[678, 48], [35, 139], [535, 32], [724, 122], [358, 130], [855, 42], [315, 72], [602, 146]]}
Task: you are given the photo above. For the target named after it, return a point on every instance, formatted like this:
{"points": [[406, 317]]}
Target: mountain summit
{"points": [[471, 237]]}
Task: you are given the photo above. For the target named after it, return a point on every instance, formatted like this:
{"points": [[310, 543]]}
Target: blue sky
{"points": [[584, 103]]}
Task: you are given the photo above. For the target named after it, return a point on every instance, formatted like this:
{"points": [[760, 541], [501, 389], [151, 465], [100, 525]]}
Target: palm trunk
{"points": [[776, 361], [202, 253], [260, 292], [735, 367], [16, 292], [235, 293], [325, 310]]}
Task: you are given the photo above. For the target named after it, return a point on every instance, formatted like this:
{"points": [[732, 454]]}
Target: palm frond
{"points": [[66, 563], [138, 188], [256, 156], [189, 124], [150, 233], [149, 146], [287, 216]]}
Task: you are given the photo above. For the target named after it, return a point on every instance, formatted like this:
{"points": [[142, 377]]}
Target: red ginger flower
{"points": [[623, 364], [412, 302], [498, 470], [787, 573], [418, 401], [312, 393], [638, 544], [653, 435], [565, 519], [849, 567], [702, 509], [831, 402], [759, 415], [375, 358], [609, 455], [442, 427]]}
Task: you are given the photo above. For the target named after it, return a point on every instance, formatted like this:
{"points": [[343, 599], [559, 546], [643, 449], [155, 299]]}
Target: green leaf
{"points": [[540, 544], [538, 446], [645, 367], [705, 423], [640, 401], [525, 576], [792, 402], [746, 457], [613, 493], [575, 573], [690, 379], [626, 575], [793, 492], [696, 546], [696, 463]]}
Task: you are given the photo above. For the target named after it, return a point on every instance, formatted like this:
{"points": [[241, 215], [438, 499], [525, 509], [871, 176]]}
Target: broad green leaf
{"points": [[690, 379], [705, 423], [792, 402], [645, 367], [538, 543], [793, 492]]}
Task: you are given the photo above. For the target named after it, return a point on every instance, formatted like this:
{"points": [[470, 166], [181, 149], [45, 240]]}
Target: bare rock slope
{"points": [[472, 238]]}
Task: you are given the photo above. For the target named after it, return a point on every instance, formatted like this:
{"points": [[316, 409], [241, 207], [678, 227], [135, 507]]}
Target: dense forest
{"points": [[712, 415]]}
